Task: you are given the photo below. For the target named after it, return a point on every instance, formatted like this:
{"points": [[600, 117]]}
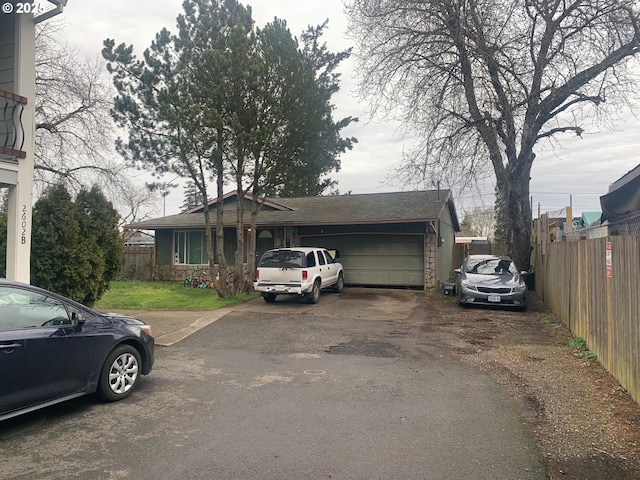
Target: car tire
{"points": [[314, 295], [120, 373], [339, 285], [269, 297]]}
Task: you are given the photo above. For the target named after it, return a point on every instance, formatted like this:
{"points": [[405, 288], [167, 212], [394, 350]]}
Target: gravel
{"points": [[585, 424]]}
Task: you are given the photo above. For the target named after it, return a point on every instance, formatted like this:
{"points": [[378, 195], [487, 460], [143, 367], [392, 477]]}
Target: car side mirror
{"points": [[458, 271], [77, 320]]}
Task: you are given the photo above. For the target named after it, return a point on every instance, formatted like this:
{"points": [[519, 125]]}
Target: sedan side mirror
{"points": [[77, 320], [458, 271]]}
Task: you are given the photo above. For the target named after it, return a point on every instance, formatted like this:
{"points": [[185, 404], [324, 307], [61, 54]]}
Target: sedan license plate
{"points": [[494, 298]]}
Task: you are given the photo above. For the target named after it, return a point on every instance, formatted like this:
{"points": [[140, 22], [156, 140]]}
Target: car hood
{"points": [[118, 317], [506, 281]]}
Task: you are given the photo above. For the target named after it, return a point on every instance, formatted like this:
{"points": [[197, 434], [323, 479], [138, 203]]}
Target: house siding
{"points": [[7, 48], [445, 247]]}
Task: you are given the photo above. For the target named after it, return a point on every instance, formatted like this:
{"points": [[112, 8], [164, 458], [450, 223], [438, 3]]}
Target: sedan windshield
{"points": [[491, 266]]}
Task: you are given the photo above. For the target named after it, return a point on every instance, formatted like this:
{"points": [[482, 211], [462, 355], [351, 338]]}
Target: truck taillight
{"points": [[257, 273], [305, 274]]}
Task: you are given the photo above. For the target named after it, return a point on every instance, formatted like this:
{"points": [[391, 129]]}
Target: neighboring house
{"points": [[17, 124], [402, 239], [621, 205], [138, 239], [587, 219]]}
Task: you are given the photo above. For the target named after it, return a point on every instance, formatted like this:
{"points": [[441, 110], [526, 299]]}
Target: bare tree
{"points": [[74, 130], [484, 82], [135, 203], [479, 222]]}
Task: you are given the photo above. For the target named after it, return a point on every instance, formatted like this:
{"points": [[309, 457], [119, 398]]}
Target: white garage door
{"points": [[382, 260]]}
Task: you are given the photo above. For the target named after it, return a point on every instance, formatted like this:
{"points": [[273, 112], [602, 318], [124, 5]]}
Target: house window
{"points": [[189, 248]]}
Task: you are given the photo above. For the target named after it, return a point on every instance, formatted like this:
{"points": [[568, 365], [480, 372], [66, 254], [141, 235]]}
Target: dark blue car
{"points": [[53, 349]]}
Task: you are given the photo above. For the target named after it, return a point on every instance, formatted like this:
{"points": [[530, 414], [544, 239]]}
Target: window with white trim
{"points": [[190, 248]]}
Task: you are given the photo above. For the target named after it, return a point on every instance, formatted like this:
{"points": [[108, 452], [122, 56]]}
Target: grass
{"points": [[579, 345], [137, 295]]}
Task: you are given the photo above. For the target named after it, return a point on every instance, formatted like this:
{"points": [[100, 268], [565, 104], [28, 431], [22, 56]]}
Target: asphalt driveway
{"points": [[340, 389]]}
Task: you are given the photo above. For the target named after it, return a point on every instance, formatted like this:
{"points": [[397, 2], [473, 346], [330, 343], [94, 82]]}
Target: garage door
{"points": [[382, 260]]}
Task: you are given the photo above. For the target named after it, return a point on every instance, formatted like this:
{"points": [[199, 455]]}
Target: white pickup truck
{"points": [[298, 271]]}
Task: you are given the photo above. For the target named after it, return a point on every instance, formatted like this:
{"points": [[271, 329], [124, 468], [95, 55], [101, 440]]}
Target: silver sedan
{"points": [[491, 280]]}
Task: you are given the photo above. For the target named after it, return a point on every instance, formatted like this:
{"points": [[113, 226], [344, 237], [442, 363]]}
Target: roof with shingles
{"points": [[371, 208]]}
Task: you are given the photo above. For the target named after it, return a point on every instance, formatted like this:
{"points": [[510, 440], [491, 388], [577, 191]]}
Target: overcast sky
{"points": [[580, 167]]}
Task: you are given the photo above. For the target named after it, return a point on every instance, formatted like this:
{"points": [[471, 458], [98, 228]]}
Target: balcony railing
{"points": [[11, 128]]}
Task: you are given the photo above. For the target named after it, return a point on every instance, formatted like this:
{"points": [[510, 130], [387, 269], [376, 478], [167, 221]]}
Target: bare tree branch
{"points": [[481, 82]]}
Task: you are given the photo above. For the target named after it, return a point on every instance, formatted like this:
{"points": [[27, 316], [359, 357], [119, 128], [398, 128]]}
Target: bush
{"points": [[127, 275], [75, 246]]}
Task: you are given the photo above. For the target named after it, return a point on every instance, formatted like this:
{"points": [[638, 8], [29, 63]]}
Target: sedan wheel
{"points": [[119, 373]]}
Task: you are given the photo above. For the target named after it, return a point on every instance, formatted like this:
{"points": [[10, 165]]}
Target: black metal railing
{"points": [[12, 136]]}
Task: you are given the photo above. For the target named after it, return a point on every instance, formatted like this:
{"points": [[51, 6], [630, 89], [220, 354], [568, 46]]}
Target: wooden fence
{"points": [[594, 290], [138, 262]]}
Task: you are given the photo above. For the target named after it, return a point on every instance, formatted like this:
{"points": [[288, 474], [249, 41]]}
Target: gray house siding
{"points": [[445, 248], [7, 60]]}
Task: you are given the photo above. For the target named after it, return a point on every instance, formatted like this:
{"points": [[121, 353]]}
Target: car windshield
{"points": [[491, 266], [283, 259]]}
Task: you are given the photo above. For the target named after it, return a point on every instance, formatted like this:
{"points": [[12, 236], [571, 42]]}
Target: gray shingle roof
{"points": [[369, 208]]}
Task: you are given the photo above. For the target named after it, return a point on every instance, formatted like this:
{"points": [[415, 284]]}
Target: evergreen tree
{"points": [[221, 100], [100, 222], [192, 197], [73, 244]]}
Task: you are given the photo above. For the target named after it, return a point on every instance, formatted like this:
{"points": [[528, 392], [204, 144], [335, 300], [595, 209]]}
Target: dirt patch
{"points": [[585, 424]]}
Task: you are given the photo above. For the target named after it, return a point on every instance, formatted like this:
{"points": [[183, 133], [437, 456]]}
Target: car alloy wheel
{"points": [[120, 373]]}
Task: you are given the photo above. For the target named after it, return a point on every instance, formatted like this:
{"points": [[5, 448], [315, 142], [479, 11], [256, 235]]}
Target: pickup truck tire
{"points": [[314, 295], [339, 285], [269, 297]]}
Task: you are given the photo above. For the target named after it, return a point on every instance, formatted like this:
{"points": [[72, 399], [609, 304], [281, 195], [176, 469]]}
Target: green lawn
{"points": [[162, 296]]}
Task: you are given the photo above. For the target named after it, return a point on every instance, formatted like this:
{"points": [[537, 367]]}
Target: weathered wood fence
{"points": [[594, 290], [138, 262]]}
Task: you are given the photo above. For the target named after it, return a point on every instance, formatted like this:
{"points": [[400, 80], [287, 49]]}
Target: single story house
{"points": [[401, 239]]}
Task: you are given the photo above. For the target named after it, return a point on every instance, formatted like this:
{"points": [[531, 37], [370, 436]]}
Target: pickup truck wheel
{"points": [[314, 295], [269, 297], [339, 285]]}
